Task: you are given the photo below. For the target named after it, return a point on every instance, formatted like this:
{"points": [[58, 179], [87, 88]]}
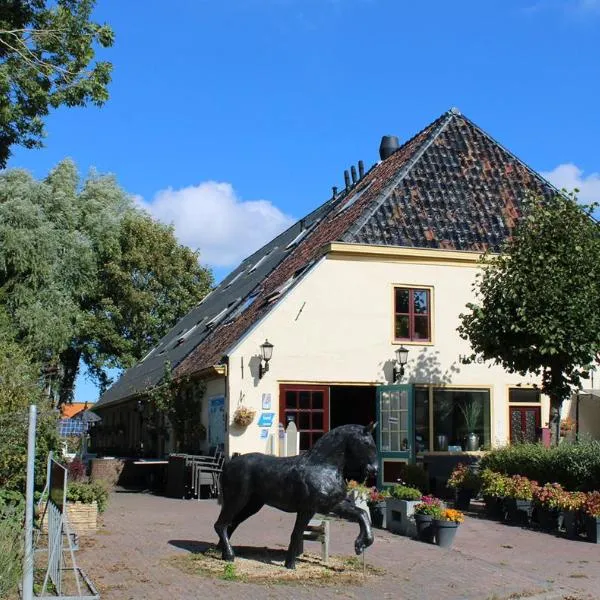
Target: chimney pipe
{"points": [[353, 171], [389, 145], [334, 192], [361, 169], [347, 180]]}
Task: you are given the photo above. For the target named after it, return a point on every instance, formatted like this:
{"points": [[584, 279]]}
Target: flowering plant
{"points": [[358, 490], [243, 416], [591, 505], [520, 488], [572, 501], [549, 495], [376, 496], [566, 426], [463, 478], [429, 505], [493, 484], [449, 514]]}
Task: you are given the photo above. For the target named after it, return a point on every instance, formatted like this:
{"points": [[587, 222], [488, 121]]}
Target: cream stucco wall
{"points": [[335, 326]]}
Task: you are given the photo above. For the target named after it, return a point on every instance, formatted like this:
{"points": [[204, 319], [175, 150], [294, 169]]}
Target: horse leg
{"points": [[348, 510], [251, 508], [229, 511], [296, 541]]}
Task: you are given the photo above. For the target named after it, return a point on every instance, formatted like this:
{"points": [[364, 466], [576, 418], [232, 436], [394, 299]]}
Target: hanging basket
{"points": [[243, 416]]}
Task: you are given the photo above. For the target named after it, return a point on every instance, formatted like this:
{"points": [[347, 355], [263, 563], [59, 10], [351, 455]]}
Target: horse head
{"points": [[361, 452]]}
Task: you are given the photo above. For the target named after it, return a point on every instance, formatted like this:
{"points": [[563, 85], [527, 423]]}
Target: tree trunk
{"points": [[69, 360], [555, 406]]}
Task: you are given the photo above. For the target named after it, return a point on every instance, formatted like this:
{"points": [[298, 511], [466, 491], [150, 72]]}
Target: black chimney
{"points": [[389, 145], [347, 179], [353, 171], [334, 192], [361, 169]]}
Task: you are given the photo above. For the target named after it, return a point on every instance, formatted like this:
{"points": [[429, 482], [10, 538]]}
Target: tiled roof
{"points": [[451, 186]]}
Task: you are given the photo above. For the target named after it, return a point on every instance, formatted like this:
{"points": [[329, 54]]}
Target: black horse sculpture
{"points": [[306, 484]]}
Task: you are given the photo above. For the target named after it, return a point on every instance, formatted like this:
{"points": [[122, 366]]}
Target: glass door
{"points": [[395, 432]]}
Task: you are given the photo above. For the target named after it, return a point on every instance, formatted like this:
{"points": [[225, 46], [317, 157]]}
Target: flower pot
{"points": [[463, 499], [399, 516], [517, 511], [444, 532], [425, 531], [493, 507], [547, 518], [378, 514], [571, 524], [472, 442], [592, 529]]}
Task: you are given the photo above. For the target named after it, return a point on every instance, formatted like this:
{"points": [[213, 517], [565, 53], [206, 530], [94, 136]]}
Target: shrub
{"points": [[572, 501], [11, 548], [76, 470], [591, 506], [88, 492], [414, 476], [376, 496], [404, 492], [576, 466], [549, 496]]}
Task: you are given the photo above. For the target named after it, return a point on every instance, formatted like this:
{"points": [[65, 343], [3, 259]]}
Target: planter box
{"points": [[518, 511], [378, 515], [400, 516], [592, 528]]}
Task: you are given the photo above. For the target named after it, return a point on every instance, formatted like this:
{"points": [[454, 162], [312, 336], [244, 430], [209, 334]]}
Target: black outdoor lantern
{"points": [[266, 351], [401, 360]]}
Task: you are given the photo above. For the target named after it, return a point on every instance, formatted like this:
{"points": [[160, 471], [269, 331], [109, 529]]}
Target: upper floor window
{"points": [[412, 314]]}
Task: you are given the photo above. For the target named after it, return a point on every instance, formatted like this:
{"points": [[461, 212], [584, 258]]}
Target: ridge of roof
{"points": [[402, 172]]}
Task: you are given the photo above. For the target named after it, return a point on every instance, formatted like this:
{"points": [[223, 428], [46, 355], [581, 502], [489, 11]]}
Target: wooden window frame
{"points": [[412, 314]]}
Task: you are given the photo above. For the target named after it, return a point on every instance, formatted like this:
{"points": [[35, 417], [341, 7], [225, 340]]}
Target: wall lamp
{"points": [[266, 351], [401, 360]]}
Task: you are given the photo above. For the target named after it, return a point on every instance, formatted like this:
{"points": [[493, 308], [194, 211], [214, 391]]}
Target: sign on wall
{"points": [[266, 401], [266, 419]]}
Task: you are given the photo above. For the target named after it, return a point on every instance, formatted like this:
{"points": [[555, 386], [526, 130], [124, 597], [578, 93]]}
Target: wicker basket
{"points": [[243, 416]]}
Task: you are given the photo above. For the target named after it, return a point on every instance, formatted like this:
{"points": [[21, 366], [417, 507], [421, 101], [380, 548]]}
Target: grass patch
{"points": [[265, 565]]}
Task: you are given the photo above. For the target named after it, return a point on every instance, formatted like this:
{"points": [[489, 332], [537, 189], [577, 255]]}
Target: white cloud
{"points": [[570, 176], [212, 218]]}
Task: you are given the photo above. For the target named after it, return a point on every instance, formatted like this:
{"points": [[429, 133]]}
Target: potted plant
{"points": [[471, 412], [493, 488], [518, 498], [571, 504], [547, 501], [591, 508], [84, 502], [426, 511], [243, 416], [445, 526], [377, 507], [466, 484], [400, 508]]}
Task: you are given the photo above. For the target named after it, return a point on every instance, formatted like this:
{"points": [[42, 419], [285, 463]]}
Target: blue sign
{"points": [[264, 434], [266, 419]]}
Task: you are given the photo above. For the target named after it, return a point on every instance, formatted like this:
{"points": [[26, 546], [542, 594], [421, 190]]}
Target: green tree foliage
{"points": [[47, 53], [87, 276], [536, 308]]}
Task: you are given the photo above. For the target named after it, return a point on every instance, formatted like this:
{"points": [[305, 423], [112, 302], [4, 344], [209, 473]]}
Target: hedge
{"points": [[576, 466]]}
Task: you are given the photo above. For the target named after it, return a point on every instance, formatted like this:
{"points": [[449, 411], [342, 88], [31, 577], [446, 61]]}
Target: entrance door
{"points": [[395, 430], [524, 424]]}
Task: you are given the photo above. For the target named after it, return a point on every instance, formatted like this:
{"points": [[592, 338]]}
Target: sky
{"points": [[233, 119]]}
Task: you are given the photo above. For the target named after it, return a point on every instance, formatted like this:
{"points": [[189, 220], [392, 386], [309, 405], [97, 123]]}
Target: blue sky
{"points": [[233, 118]]}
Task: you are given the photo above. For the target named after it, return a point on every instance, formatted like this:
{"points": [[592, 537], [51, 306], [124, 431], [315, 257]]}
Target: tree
{"points": [[46, 60], [86, 276], [536, 308]]}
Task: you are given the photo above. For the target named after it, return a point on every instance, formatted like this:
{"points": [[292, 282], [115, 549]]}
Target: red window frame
{"points": [[309, 405], [412, 314]]}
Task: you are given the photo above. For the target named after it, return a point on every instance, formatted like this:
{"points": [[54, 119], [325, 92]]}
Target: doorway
{"points": [[352, 404], [525, 422]]}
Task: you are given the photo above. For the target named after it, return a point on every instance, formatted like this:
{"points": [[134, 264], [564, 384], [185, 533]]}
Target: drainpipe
{"points": [[225, 361], [577, 417]]}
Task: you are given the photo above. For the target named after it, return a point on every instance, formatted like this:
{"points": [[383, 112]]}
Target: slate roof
{"points": [[449, 187]]}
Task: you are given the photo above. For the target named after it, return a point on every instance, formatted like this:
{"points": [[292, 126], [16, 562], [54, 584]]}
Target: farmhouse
{"points": [[350, 316]]}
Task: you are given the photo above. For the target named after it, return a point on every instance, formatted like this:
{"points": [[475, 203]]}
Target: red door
{"points": [[525, 422], [308, 407]]}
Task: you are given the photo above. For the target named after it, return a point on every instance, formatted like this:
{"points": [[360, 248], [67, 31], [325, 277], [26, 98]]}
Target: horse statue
{"points": [[306, 484]]}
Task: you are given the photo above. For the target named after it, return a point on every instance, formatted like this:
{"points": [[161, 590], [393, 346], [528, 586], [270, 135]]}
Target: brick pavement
{"points": [[489, 561]]}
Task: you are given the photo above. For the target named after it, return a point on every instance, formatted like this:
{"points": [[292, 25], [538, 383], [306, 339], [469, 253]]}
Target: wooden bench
{"points": [[318, 531]]}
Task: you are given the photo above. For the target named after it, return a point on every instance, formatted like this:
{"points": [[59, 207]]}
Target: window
{"points": [[308, 407], [518, 394], [460, 418], [412, 316]]}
